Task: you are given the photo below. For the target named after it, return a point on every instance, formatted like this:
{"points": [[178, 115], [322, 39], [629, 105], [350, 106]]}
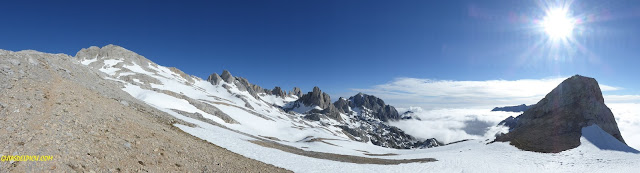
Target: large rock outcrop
{"points": [[342, 105], [555, 123], [214, 79], [316, 98], [226, 76], [277, 91]]}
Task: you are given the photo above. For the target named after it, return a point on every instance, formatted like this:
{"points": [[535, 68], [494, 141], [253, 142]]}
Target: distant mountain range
{"points": [[518, 108]]}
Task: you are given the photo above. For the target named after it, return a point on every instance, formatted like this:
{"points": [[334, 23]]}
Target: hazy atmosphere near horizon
{"points": [[420, 80], [393, 49]]}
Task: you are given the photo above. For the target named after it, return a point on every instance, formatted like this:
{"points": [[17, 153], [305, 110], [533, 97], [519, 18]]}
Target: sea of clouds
{"points": [[456, 110], [450, 125]]}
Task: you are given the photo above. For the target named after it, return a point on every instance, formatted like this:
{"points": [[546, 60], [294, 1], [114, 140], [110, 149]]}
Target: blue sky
{"points": [[342, 46]]}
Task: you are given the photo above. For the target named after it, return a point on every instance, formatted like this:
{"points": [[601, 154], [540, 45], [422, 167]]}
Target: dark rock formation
{"points": [[316, 98], [277, 91], [555, 123], [342, 105], [388, 136], [518, 108], [429, 143], [409, 115], [509, 122]]}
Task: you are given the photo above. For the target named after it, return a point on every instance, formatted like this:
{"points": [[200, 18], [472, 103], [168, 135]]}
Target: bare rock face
{"points": [[317, 98], [518, 108], [320, 99], [214, 79], [555, 123], [342, 105], [381, 110], [296, 92], [113, 52], [226, 76], [277, 91]]}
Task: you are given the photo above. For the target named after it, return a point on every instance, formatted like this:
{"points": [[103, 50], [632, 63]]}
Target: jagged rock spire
{"points": [[226, 76]]}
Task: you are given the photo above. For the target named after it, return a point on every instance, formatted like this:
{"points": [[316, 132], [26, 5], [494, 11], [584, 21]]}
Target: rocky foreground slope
{"points": [[50, 104], [555, 123]]}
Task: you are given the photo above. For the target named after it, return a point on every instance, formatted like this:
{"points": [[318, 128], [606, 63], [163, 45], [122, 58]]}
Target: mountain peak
{"points": [[380, 110], [296, 92], [555, 123], [226, 76]]}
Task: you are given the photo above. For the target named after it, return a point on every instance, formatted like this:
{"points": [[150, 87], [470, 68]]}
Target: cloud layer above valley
{"points": [[455, 110], [450, 125]]}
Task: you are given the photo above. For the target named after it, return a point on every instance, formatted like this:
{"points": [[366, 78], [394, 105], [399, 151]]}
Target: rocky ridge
{"points": [[368, 111], [518, 108]]}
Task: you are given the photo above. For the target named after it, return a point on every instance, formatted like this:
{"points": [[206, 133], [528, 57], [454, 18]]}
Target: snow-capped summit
{"points": [[555, 123]]}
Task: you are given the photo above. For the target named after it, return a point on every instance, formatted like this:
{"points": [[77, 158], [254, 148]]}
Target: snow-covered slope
{"points": [[256, 126]]}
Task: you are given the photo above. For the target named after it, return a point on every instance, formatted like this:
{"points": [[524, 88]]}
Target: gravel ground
{"points": [[51, 105]]}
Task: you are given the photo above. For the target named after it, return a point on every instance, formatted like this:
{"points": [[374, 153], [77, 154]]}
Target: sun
{"points": [[558, 24]]}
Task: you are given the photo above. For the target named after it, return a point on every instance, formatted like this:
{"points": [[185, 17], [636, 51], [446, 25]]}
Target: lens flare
{"points": [[558, 24]]}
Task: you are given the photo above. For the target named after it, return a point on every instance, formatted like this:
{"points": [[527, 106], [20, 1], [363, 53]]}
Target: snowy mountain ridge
{"points": [[278, 127], [222, 98]]}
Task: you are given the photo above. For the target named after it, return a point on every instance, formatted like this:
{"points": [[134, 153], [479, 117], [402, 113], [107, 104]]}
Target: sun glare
{"points": [[558, 24]]}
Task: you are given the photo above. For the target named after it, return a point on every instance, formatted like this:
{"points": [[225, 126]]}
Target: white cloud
{"points": [[621, 99], [450, 125], [434, 94], [628, 119]]}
